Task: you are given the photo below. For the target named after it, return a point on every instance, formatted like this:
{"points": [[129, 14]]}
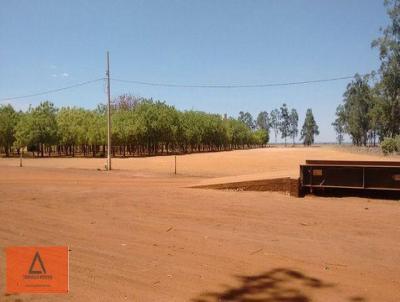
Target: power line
{"points": [[51, 91], [231, 85], [174, 85]]}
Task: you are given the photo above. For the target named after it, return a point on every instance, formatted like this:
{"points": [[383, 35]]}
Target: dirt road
{"points": [[139, 234]]}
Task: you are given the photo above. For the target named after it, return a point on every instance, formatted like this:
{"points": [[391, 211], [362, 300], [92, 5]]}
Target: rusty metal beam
{"points": [[365, 175], [380, 163]]}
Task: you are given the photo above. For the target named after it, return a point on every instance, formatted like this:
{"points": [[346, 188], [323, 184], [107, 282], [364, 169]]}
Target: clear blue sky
{"points": [[51, 44]]}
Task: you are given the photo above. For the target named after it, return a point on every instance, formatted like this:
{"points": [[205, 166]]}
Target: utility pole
{"points": [[108, 114]]}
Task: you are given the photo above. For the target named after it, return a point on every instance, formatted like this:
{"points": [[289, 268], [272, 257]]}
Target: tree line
{"points": [[142, 126], [139, 127], [370, 112], [285, 121]]}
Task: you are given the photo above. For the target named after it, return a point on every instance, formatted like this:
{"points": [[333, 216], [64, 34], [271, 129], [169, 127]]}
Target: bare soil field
{"points": [[139, 233]]}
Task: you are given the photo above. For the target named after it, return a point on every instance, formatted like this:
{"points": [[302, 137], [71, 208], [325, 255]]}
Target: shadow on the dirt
{"points": [[371, 194], [277, 285]]}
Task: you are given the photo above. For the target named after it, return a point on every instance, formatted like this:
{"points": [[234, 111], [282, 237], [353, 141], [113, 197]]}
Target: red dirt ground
{"points": [[140, 234]]}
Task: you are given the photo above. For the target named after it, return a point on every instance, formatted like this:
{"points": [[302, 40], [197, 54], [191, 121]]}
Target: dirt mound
{"points": [[282, 184]]}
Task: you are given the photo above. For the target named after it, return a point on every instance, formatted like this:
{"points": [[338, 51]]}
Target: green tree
{"points": [[38, 128], [72, 129], [274, 121], [263, 120], [123, 127], [247, 119], [389, 53], [24, 136], [239, 133], [284, 125], [339, 124], [157, 125], [293, 124], [97, 129], [378, 122], [358, 101], [8, 121], [191, 130], [260, 137], [309, 129]]}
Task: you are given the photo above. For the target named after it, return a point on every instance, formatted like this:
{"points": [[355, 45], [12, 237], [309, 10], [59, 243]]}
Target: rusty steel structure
{"points": [[361, 175]]}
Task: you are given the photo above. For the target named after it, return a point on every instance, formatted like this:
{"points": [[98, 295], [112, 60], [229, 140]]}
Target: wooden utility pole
{"points": [[108, 114]]}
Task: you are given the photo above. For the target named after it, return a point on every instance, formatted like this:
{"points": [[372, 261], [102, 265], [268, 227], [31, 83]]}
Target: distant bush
{"points": [[397, 139], [390, 145]]}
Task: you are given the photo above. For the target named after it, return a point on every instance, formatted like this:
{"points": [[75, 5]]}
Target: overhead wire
{"points": [[228, 86], [51, 90], [175, 85]]}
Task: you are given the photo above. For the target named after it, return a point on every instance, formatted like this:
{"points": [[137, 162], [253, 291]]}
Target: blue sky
{"points": [[51, 44]]}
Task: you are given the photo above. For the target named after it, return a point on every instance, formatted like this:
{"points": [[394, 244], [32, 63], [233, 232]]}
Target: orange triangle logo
{"points": [[37, 266]]}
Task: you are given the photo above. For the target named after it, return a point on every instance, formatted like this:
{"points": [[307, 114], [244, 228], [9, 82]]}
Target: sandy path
{"points": [[136, 238]]}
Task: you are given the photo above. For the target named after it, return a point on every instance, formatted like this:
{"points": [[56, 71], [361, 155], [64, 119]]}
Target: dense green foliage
{"points": [[339, 124], [371, 108], [8, 121], [284, 125], [139, 127], [309, 129], [37, 128], [263, 121], [274, 120], [247, 119], [293, 124], [358, 102], [390, 145]]}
